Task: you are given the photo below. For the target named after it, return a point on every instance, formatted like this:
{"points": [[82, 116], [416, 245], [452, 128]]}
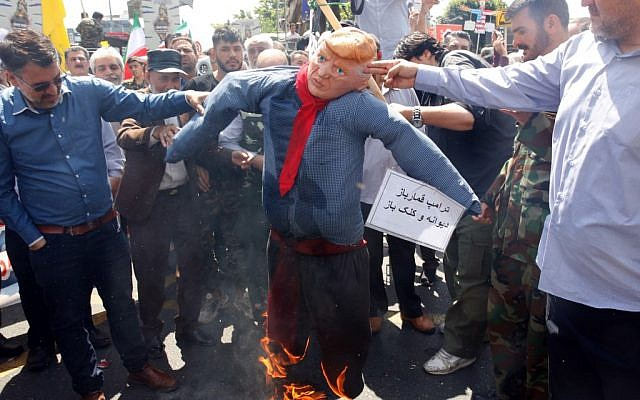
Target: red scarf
{"points": [[302, 125]]}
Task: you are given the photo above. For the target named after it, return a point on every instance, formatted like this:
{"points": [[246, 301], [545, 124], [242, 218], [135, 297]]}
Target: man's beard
{"points": [[538, 48], [610, 29], [225, 69]]}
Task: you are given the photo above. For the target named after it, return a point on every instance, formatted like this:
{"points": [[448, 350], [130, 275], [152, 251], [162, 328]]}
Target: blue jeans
{"points": [[67, 268]]}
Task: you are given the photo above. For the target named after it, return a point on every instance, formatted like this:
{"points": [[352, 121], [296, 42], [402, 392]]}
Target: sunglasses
{"points": [[42, 86]]}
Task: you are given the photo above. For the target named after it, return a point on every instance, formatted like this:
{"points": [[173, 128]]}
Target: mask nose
{"points": [[324, 69]]}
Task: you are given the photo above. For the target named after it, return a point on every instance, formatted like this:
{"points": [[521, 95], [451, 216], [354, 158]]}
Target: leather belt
{"points": [[79, 229], [317, 247]]}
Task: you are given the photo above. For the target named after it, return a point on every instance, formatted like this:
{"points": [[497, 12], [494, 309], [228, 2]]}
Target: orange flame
{"points": [[277, 362], [338, 386], [302, 392]]}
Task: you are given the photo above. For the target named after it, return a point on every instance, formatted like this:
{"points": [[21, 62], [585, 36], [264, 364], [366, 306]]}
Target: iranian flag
{"points": [[135, 45]]}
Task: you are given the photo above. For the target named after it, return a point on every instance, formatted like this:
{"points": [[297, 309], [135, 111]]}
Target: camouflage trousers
{"points": [[517, 330]]}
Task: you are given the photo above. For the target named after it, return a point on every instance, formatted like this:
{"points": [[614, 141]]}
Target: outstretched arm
{"points": [[237, 91]]}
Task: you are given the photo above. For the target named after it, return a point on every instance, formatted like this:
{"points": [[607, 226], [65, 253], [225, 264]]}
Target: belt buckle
{"points": [[173, 192]]}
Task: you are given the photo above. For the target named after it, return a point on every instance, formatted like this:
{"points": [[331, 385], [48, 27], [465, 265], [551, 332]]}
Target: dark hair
{"points": [[76, 48], [171, 39], [457, 34], [225, 34], [23, 46], [541, 9], [97, 15], [414, 44]]}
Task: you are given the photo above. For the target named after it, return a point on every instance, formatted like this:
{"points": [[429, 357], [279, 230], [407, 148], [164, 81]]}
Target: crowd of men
{"points": [[259, 173]]}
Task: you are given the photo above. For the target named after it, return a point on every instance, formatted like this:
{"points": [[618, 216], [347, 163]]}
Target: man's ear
{"points": [[364, 82], [11, 78], [551, 24]]}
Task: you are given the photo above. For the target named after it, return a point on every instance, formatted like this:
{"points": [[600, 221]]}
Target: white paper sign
{"points": [[489, 27], [469, 25], [414, 211]]}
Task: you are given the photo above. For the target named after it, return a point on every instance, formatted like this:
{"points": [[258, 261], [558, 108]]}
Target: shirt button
{"points": [[60, 136], [88, 214], [77, 175], [84, 195], [67, 156]]}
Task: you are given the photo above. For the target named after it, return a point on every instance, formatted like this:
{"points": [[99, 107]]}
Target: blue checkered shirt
{"points": [[325, 200]]}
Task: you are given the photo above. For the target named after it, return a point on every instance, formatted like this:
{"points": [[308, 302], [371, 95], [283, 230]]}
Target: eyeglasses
{"points": [[42, 86]]}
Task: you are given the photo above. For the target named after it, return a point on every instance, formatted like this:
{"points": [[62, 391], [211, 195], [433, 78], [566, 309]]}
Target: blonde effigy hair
{"points": [[352, 44]]}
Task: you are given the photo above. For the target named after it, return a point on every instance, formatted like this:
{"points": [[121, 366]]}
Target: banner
{"points": [[161, 18], [438, 31], [414, 211], [18, 14]]}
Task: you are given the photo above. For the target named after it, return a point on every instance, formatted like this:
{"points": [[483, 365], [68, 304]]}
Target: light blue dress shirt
{"points": [[325, 200], [112, 152], [588, 252], [57, 155]]}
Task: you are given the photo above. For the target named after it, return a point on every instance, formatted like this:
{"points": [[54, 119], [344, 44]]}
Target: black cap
{"points": [[164, 60]]}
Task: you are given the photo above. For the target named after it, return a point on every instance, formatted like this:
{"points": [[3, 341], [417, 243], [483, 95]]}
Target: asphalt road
{"points": [[230, 369]]}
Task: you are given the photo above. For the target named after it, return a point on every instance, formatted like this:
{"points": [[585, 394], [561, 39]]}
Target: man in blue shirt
{"points": [[318, 261], [50, 141]]}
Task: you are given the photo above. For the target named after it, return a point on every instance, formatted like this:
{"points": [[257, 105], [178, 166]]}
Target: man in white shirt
{"points": [[588, 250]]}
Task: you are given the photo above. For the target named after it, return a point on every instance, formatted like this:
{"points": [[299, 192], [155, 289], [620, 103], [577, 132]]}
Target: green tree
{"points": [[243, 14], [268, 13], [456, 13]]}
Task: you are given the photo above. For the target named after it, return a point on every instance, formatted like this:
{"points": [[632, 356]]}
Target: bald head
{"points": [[271, 58]]}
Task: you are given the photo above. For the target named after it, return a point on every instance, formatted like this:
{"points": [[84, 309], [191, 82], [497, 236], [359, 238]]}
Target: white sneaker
{"points": [[444, 363]]}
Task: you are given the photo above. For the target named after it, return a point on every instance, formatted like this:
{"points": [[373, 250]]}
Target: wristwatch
{"points": [[416, 119]]}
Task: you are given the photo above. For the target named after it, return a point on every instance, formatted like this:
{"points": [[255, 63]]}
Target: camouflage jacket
{"points": [[132, 85], [91, 33], [520, 193]]}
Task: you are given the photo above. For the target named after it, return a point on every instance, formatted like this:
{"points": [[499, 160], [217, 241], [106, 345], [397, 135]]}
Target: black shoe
{"points": [[428, 276], [39, 359], [9, 348], [98, 338], [194, 336]]}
